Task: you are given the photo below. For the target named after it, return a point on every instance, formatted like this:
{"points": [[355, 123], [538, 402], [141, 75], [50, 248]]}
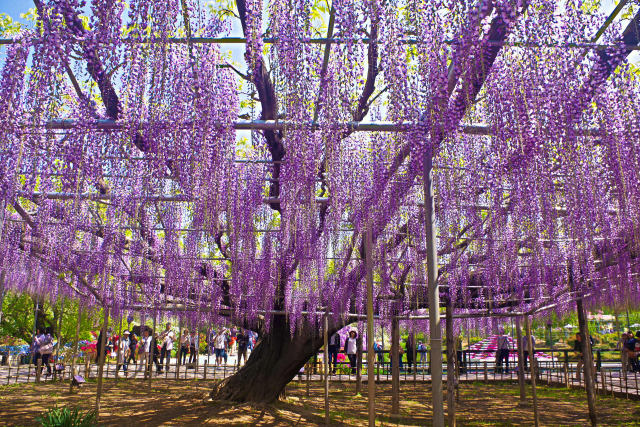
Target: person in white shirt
{"points": [[167, 338], [525, 348], [143, 350], [184, 347], [123, 352], [219, 344], [351, 349]]}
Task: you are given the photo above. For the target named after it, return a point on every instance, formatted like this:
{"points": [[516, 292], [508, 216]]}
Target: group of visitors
{"points": [[150, 348], [353, 342], [42, 348], [225, 342], [350, 348], [629, 346]]}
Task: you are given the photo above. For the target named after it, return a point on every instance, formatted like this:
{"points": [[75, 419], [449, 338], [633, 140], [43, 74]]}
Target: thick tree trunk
{"points": [[274, 362]]}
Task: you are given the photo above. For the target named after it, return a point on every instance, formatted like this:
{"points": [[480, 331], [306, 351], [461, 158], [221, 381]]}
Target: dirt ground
{"points": [[186, 403]]}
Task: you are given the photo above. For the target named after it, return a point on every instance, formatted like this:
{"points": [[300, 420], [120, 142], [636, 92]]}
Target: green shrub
{"points": [[65, 417]]}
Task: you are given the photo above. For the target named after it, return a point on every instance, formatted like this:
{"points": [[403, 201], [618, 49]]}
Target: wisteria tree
{"points": [[126, 183]]}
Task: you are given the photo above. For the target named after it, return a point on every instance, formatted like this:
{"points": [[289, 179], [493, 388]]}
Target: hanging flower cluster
{"points": [[122, 176]]}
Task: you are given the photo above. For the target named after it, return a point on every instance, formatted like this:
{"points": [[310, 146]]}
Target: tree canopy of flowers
{"points": [[124, 181]]}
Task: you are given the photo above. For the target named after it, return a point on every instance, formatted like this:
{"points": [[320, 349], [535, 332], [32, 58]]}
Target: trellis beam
{"points": [[283, 125], [363, 40]]}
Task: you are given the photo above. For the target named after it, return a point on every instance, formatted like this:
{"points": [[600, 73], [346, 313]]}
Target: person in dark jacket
{"points": [[333, 349], [410, 346], [108, 345], [243, 343], [156, 353], [133, 343]]}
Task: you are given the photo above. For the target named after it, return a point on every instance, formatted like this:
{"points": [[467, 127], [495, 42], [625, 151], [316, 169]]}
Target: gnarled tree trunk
{"points": [[276, 360]]}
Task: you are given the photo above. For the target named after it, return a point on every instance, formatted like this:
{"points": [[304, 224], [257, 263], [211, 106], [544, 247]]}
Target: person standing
{"points": [[422, 350], [377, 347], [409, 345], [351, 350], [502, 352], [194, 346], [155, 349], [184, 347], [333, 348], [43, 345], [525, 349], [621, 346], [228, 342], [243, 343], [123, 352], [167, 337], [251, 340], [133, 343], [211, 336], [219, 343], [144, 350]]}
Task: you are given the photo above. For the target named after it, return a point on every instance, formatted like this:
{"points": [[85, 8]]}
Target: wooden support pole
{"points": [[75, 347], [521, 384], [415, 357], [2, 278], [59, 339], [38, 369], [359, 363], [119, 351], [152, 349], [371, 357], [588, 360], [395, 366], [179, 357], [435, 330], [327, 417], [533, 369], [101, 358], [451, 376]]}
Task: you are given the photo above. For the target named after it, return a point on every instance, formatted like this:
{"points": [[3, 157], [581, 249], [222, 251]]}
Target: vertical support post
{"points": [[435, 331], [371, 357], [59, 339], [523, 393], [533, 368], [152, 350], [35, 317], [359, 362], [327, 418], [179, 356], [119, 351], [451, 375], [588, 360], [395, 365], [2, 277], [101, 358], [415, 357], [75, 347]]}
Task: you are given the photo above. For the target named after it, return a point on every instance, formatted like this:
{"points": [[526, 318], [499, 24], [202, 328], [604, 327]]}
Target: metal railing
{"points": [[559, 367]]}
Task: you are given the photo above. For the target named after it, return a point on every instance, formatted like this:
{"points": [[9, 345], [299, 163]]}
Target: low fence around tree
{"points": [[558, 367]]}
